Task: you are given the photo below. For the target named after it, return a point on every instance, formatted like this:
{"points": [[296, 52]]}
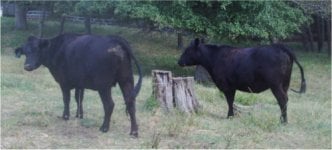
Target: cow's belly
{"points": [[91, 83], [92, 80], [95, 72], [256, 87], [253, 89]]}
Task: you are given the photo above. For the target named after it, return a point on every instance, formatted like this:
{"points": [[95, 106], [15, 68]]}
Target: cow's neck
{"points": [[49, 54], [208, 59]]}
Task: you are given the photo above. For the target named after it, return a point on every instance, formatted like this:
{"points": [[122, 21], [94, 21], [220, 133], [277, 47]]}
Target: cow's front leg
{"points": [[230, 100], [66, 101], [108, 104]]}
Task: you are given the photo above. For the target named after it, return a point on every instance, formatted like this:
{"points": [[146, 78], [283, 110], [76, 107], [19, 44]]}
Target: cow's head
{"points": [[192, 54], [32, 50]]}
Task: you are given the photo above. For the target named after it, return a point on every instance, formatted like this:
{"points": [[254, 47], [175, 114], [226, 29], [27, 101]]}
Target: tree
{"points": [[320, 11], [21, 8], [20, 16], [62, 9], [42, 19], [89, 9], [234, 20]]}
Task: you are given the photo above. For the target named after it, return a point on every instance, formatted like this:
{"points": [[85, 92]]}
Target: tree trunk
{"points": [[304, 39], [184, 95], [162, 89], [322, 26], [87, 24], [201, 75], [311, 38], [273, 40], [20, 17], [328, 29], [41, 22], [319, 34], [62, 23], [180, 41]]}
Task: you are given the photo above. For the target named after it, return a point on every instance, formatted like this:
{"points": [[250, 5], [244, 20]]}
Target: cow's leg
{"points": [[108, 104], [282, 99], [127, 92], [79, 93], [230, 100], [66, 101]]}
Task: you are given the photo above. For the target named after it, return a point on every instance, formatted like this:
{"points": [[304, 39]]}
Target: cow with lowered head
{"points": [[87, 62], [246, 69]]}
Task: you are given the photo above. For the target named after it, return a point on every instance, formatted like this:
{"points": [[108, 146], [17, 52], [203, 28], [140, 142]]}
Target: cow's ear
{"points": [[18, 52], [43, 43], [196, 42]]}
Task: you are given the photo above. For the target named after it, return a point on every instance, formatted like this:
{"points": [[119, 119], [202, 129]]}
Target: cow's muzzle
{"points": [[28, 67]]}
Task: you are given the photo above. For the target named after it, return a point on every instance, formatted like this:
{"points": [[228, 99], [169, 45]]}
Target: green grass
{"points": [[31, 104]]}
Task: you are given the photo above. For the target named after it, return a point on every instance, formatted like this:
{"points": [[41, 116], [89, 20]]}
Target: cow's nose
{"points": [[27, 67]]}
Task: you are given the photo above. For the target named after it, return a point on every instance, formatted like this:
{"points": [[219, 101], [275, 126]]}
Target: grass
{"points": [[31, 104]]}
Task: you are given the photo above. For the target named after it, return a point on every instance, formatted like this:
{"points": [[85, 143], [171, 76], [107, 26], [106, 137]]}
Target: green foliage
{"points": [[246, 98], [321, 8], [64, 7], [151, 103], [83, 8], [88, 123], [262, 121], [91, 8], [236, 20]]}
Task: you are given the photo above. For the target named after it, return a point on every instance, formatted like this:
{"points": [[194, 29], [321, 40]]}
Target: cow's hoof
{"points": [[283, 120], [65, 117], [79, 116], [103, 129], [134, 134], [230, 117]]}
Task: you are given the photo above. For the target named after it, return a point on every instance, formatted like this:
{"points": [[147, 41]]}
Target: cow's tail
{"points": [[128, 48], [138, 85], [303, 83]]}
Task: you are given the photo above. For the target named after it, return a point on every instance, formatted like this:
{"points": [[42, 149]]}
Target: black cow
{"points": [[87, 62], [246, 69]]}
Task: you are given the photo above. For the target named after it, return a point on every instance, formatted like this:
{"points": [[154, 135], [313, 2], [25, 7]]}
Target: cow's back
{"points": [[251, 69], [93, 62]]}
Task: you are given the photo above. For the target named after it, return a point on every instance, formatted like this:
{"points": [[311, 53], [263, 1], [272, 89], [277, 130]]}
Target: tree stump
{"points": [[162, 88], [184, 95]]}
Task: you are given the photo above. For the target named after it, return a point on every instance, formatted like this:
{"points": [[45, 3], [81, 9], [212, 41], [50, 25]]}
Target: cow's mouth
{"points": [[29, 67]]}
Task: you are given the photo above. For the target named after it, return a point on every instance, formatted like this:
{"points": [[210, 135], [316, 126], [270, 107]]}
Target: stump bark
{"points": [[184, 95], [162, 89]]}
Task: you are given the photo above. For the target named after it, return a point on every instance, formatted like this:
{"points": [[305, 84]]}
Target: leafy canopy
{"points": [[235, 20]]}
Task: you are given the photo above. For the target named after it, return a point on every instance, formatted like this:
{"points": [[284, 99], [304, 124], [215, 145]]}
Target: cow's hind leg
{"points": [[282, 99], [127, 91], [230, 100], [66, 101], [108, 104], [79, 93]]}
